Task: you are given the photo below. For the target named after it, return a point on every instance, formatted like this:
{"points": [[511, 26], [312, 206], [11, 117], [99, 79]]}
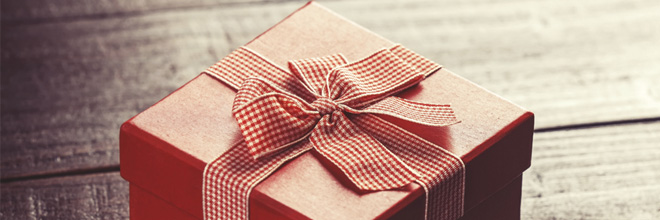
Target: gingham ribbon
{"points": [[330, 105]]}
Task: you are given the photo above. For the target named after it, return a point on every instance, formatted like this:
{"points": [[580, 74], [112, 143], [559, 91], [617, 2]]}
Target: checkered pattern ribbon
{"points": [[332, 106]]}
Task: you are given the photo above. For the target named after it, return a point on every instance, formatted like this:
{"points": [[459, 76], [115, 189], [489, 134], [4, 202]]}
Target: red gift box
{"points": [[164, 149]]}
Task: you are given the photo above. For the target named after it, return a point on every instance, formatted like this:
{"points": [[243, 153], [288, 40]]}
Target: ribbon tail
{"points": [[229, 179], [419, 62], [442, 174], [364, 160], [244, 63], [417, 112]]}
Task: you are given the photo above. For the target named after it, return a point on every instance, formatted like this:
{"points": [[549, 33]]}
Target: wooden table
{"points": [[73, 71]]}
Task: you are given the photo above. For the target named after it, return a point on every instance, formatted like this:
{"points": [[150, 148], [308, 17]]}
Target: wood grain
{"points": [[38, 11], [570, 62], [73, 71], [97, 196], [610, 172], [67, 86]]}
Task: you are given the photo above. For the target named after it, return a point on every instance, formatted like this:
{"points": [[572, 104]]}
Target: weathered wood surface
{"points": [[35, 11], [73, 71], [577, 62], [609, 172], [68, 85], [96, 196]]}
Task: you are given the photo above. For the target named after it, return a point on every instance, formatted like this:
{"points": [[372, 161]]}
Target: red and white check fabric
{"points": [[330, 105]]}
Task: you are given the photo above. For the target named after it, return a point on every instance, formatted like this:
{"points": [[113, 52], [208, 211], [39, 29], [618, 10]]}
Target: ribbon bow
{"points": [[271, 118], [330, 105]]}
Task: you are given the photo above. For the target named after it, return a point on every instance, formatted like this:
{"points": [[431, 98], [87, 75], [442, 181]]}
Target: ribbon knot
{"points": [[325, 106]]}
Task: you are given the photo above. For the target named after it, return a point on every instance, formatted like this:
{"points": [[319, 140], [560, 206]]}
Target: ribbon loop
{"points": [[313, 72], [269, 118], [371, 79]]}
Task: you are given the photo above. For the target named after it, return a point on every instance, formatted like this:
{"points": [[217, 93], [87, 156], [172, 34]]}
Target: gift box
{"points": [[164, 150]]}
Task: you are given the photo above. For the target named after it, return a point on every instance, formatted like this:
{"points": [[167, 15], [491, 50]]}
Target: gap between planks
{"points": [[596, 124], [96, 170], [100, 13], [115, 168]]}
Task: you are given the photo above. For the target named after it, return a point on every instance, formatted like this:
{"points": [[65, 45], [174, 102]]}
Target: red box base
{"points": [[505, 204]]}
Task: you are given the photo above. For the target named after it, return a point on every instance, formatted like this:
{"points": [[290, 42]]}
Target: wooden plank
{"points": [[34, 11], [597, 173], [67, 86], [97, 196], [577, 62], [609, 172]]}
